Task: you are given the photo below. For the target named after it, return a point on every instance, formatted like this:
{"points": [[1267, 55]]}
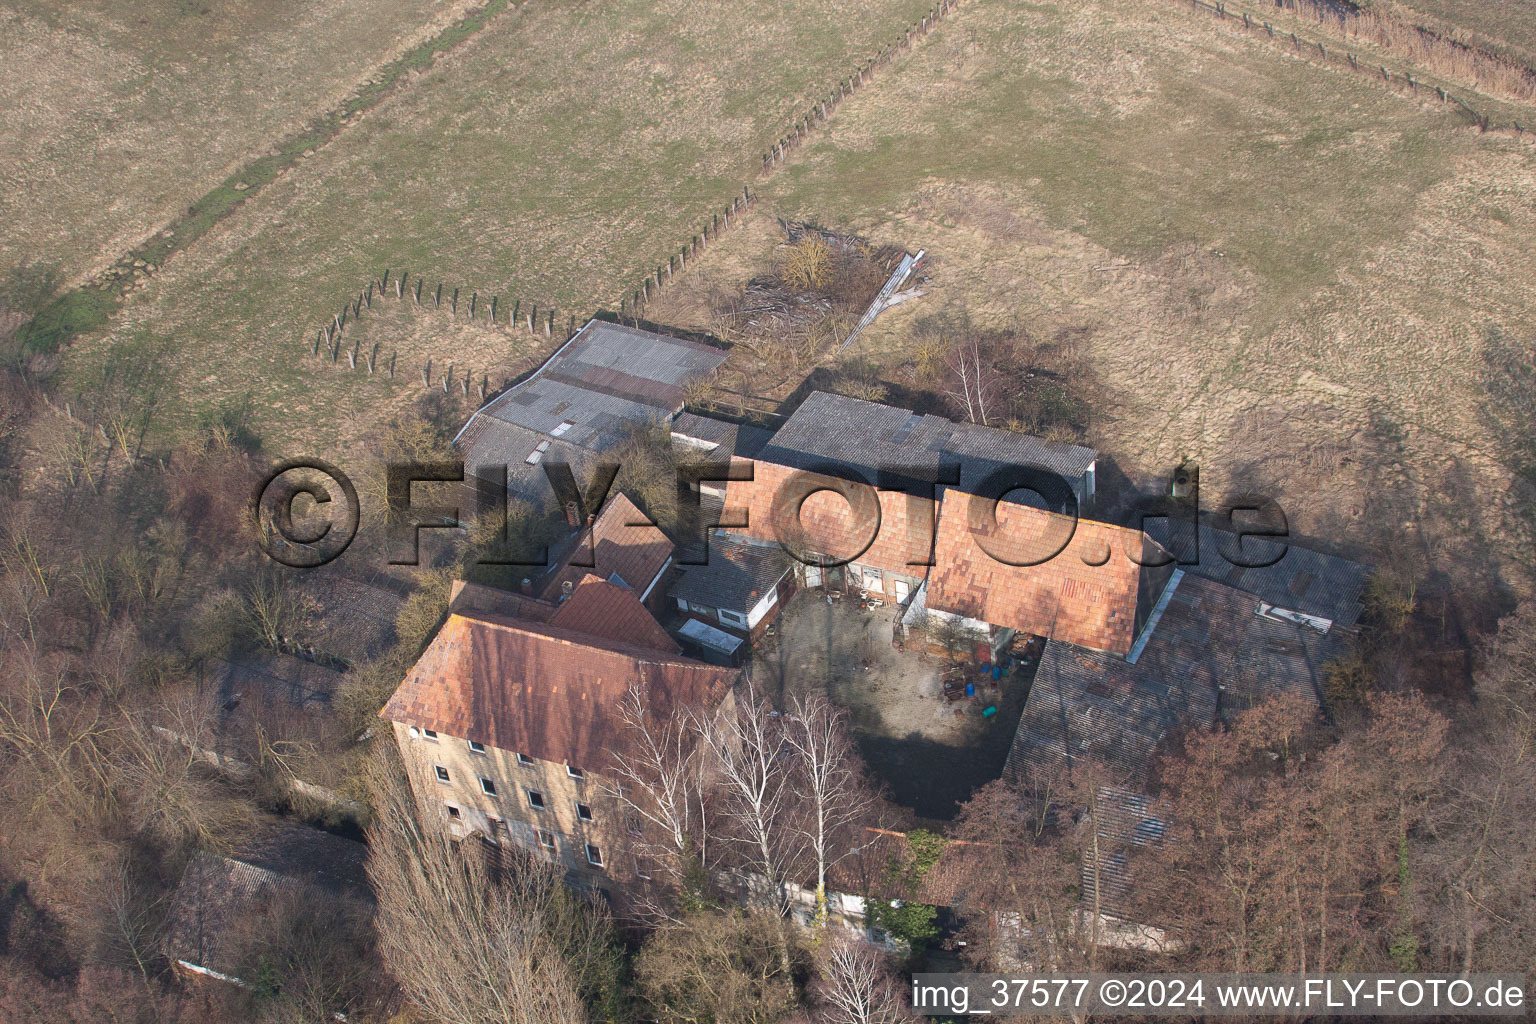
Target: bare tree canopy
{"points": [[469, 942]]}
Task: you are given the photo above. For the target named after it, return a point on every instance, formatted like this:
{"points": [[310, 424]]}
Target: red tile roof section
{"points": [[623, 541], [541, 690], [607, 610], [1084, 595], [846, 521]]}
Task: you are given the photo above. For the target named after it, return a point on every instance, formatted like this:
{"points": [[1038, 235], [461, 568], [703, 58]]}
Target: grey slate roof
{"points": [[1302, 580], [828, 430], [739, 572], [1209, 655]]}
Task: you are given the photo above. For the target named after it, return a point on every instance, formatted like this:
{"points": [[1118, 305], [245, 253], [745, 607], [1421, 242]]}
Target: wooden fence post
{"points": [[426, 374], [472, 297], [455, 306], [392, 365], [418, 291], [437, 300]]}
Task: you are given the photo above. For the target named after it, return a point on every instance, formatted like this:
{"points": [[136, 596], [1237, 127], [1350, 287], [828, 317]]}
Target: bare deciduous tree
{"points": [[972, 380], [828, 770], [464, 944], [661, 776], [855, 985], [745, 744]]}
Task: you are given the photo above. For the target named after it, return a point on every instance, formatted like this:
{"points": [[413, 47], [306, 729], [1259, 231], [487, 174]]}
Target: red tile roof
{"points": [[623, 543], [602, 609], [845, 521], [540, 689], [1085, 594]]}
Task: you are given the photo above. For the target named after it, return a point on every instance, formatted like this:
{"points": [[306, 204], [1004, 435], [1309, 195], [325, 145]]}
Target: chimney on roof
{"points": [[591, 519], [566, 588], [573, 515], [527, 586]]}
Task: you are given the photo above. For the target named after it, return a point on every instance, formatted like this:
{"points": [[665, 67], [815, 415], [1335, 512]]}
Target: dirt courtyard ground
{"points": [[930, 753]]}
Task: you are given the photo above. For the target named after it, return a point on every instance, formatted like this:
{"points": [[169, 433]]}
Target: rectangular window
{"points": [[546, 838], [575, 773], [594, 856], [583, 812], [453, 812], [525, 760], [487, 786], [442, 773], [562, 427], [430, 734], [478, 748], [535, 799], [640, 869], [633, 826], [732, 618]]}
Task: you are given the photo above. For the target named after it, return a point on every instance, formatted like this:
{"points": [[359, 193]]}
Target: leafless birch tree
{"points": [[827, 770], [972, 381], [855, 986], [662, 776]]}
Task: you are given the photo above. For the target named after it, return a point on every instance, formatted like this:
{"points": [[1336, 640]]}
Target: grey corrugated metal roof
{"points": [[597, 420], [605, 380], [1209, 654], [828, 430], [719, 438], [1303, 580], [643, 365], [737, 575], [1124, 821], [491, 442]]}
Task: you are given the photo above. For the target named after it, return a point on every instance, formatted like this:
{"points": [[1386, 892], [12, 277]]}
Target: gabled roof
{"points": [[1300, 579], [833, 517], [603, 609], [540, 689], [736, 575], [873, 440], [620, 542], [1210, 653], [1091, 593]]}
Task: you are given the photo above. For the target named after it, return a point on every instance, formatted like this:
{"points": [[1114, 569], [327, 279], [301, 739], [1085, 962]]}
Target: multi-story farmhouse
{"points": [[509, 718]]}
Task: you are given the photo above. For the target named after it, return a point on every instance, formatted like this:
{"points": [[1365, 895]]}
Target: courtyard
{"points": [[930, 752]]}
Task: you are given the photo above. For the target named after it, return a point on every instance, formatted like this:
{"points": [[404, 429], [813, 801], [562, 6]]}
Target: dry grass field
{"points": [[552, 158], [119, 115], [1284, 272], [1505, 26]]}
